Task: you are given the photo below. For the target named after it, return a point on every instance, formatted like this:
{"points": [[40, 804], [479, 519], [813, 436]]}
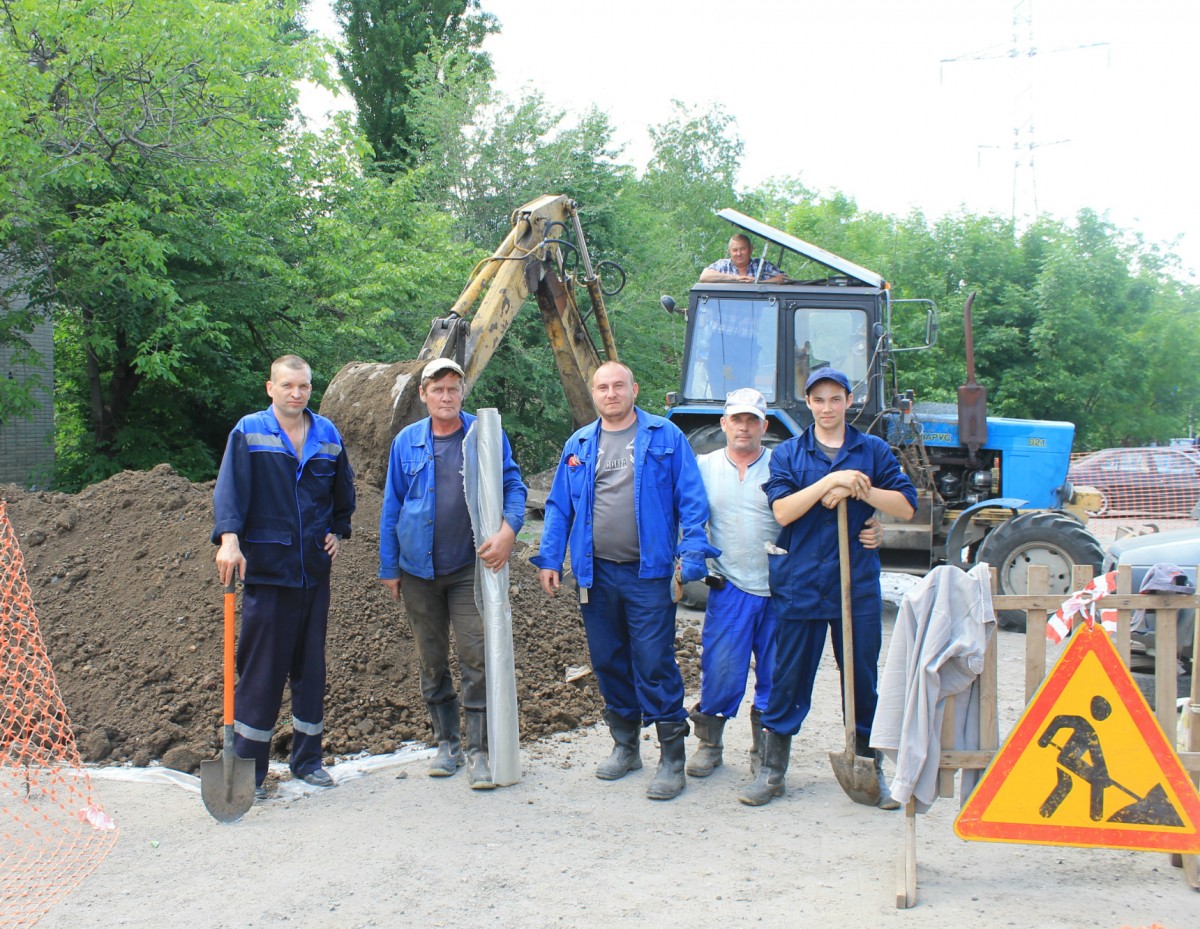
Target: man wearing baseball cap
{"points": [[810, 474], [738, 619], [427, 552]]}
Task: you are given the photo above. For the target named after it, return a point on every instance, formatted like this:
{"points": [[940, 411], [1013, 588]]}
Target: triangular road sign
{"points": [[1087, 765]]}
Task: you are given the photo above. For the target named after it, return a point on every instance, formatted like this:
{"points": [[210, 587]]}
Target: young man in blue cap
{"points": [[810, 474]]}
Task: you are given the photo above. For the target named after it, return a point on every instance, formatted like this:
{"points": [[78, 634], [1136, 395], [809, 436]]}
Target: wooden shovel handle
{"points": [[230, 624], [847, 625]]}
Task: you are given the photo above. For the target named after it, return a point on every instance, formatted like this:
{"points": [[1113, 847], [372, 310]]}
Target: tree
{"points": [[143, 182], [385, 40]]}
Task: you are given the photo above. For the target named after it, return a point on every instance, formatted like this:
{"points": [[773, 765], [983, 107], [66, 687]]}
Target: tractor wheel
{"points": [[1052, 539], [706, 438]]}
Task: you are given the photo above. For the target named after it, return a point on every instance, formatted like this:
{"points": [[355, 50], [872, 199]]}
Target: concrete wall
{"points": [[27, 445]]}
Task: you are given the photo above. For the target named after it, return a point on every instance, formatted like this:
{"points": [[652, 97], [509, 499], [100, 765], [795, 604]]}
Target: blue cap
{"points": [[827, 374]]}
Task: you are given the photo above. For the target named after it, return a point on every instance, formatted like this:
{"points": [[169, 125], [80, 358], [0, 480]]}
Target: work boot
{"points": [[756, 746], [771, 779], [447, 732], [669, 779], [709, 730], [626, 755], [479, 774], [886, 800], [862, 748]]}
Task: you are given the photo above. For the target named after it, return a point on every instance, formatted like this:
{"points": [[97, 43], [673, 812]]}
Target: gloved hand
{"points": [[693, 570]]}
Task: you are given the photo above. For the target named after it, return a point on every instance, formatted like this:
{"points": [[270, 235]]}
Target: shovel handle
{"points": [[847, 626], [230, 623]]}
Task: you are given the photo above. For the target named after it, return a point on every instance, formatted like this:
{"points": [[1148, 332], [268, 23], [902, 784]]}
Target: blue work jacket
{"points": [[668, 494], [806, 582], [406, 521], [281, 506]]}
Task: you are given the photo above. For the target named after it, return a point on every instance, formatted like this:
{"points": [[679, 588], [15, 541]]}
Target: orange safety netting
{"points": [[1160, 482], [53, 830]]}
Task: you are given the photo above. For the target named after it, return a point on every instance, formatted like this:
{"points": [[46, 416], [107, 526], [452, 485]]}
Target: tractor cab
{"points": [[771, 336]]}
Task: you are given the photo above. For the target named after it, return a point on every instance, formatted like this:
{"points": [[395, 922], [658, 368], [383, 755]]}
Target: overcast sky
{"points": [[931, 105]]}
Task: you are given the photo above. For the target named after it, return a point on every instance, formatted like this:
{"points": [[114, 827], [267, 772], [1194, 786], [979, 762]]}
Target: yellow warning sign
{"points": [[1087, 764]]}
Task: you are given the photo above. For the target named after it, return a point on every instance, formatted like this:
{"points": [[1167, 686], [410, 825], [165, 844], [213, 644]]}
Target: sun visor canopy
{"points": [[800, 247]]}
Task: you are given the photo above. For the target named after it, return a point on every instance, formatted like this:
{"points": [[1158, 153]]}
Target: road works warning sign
{"points": [[1086, 765]]}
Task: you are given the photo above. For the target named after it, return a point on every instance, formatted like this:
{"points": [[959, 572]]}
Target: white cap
{"points": [[437, 366], [746, 400]]}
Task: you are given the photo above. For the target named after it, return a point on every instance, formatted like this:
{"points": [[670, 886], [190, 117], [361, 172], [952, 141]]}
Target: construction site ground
{"points": [[130, 610]]}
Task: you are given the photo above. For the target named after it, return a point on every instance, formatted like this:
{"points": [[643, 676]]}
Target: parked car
{"points": [[1180, 547], [1156, 481]]}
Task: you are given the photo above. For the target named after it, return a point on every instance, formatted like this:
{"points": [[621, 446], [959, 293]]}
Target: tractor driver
{"points": [[740, 268]]}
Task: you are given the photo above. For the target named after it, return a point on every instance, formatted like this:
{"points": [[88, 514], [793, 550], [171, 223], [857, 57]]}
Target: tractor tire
{"points": [[1043, 538], [706, 438]]}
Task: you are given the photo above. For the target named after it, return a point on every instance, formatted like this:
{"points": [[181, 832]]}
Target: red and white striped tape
{"points": [[1082, 604]]}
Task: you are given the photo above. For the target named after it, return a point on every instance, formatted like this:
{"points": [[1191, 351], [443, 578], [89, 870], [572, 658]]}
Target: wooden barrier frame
{"points": [[1037, 604]]}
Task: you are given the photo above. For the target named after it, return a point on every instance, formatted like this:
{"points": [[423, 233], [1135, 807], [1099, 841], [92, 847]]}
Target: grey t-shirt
{"points": [[614, 528], [453, 543]]}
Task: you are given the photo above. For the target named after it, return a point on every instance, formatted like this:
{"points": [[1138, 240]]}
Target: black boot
{"points": [[447, 732], [626, 755], [669, 779], [771, 779], [756, 746], [710, 731], [479, 773]]}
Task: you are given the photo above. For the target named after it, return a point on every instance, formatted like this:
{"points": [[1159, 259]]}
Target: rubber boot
{"points": [[626, 755], [447, 731], [862, 748], [756, 746], [479, 772], [669, 779], [771, 779], [886, 800], [710, 731]]}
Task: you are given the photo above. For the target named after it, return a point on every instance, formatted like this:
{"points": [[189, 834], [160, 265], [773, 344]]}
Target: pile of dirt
{"points": [[130, 609]]}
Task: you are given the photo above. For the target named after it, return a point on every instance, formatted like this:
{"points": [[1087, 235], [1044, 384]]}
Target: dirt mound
{"points": [[130, 608]]}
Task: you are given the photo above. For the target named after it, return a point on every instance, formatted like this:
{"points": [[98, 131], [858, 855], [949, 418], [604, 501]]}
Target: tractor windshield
{"points": [[832, 337], [733, 345]]}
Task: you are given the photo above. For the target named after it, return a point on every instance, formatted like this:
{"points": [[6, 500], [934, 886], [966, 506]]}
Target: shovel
{"points": [[227, 783], [855, 773]]}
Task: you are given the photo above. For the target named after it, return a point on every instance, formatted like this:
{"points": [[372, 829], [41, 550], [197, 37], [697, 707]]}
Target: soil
{"points": [[131, 611]]}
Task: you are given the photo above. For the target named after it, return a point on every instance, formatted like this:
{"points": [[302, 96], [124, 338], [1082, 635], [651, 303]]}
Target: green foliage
{"points": [[386, 56]]}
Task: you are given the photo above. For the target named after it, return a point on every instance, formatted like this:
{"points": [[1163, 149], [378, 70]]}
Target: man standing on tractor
{"points": [[740, 268], [811, 474]]}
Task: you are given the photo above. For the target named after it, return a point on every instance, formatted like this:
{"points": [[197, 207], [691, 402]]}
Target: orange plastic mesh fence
{"points": [[1140, 483], [53, 830]]}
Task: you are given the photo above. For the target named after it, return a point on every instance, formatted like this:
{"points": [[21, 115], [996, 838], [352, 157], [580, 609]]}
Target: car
{"points": [[1179, 547], [1155, 481]]}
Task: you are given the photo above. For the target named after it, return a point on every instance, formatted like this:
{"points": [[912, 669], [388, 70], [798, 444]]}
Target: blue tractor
{"points": [[990, 489]]}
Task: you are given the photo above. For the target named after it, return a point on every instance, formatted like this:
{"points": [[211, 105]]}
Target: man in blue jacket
{"points": [[810, 474], [625, 487], [282, 505], [427, 552]]}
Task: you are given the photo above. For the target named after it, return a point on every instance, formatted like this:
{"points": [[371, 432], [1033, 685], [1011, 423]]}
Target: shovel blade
{"points": [[227, 787], [857, 777]]}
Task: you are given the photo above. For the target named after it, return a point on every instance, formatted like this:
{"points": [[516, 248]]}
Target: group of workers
{"points": [[640, 516]]}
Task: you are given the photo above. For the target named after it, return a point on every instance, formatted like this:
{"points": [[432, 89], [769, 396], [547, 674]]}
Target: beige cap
{"points": [[437, 366]]}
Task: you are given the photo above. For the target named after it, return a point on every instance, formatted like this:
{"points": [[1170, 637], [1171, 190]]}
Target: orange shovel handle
{"points": [[230, 623]]}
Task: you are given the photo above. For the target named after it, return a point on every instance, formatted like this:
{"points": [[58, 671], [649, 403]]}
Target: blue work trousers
{"points": [[282, 641], [798, 648], [630, 625], [736, 626]]}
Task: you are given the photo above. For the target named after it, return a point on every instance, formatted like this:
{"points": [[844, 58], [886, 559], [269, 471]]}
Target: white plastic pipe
{"points": [[483, 474]]}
